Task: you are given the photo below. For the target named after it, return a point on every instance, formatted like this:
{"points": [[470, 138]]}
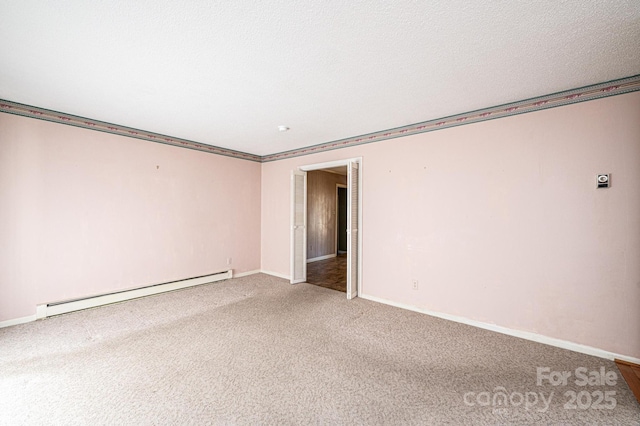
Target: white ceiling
{"points": [[227, 73]]}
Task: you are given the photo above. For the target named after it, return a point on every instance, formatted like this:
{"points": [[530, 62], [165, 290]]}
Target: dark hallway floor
{"points": [[329, 273]]}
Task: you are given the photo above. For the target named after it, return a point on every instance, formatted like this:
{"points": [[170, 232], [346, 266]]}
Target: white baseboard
{"points": [[16, 321], [48, 310], [325, 257], [246, 274], [276, 274], [564, 344]]}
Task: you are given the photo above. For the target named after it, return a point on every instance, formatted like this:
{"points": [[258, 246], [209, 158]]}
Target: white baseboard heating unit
{"points": [[57, 308]]}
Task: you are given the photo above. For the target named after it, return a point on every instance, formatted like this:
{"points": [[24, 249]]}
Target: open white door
{"points": [[352, 229], [298, 226]]}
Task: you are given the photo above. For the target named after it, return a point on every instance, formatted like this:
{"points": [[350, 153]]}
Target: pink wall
{"points": [[85, 212], [500, 221]]}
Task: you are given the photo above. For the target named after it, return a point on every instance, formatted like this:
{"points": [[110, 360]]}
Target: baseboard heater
{"points": [[57, 308]]}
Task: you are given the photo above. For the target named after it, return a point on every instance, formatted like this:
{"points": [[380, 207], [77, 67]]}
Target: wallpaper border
{"points": [[582, 94], [101, 126]]}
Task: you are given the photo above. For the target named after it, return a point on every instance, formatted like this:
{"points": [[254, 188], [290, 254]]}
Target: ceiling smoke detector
{"points": [[283, 128]]}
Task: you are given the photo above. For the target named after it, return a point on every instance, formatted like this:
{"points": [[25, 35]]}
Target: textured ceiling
{"points": [[228, 73]]}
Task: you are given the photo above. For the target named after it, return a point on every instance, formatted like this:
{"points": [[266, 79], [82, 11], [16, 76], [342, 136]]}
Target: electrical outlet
{"points": [[415, 284], [228, 261]]}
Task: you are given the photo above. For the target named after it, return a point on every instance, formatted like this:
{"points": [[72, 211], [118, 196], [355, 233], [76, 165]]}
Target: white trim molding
{"points": [[246, 274], [325, 257], [551, 341], [17, 321], [329, 164], [276, 274]]}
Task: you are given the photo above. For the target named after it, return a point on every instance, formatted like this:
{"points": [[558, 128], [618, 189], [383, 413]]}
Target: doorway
{"points": [[326, 264], [301, 225]]}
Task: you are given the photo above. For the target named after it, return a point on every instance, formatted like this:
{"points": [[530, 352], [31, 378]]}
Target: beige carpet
{"points": [[258, 350]]}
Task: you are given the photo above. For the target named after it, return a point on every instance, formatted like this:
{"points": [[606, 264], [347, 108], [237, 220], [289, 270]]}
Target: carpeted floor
{"points": [[258, 350]]}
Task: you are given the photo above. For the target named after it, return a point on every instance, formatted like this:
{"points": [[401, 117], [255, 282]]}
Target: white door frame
{"points": [[337, 163]]}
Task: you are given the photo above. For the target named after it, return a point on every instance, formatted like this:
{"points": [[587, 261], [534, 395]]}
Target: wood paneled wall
{"points": [[321, 212]]}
